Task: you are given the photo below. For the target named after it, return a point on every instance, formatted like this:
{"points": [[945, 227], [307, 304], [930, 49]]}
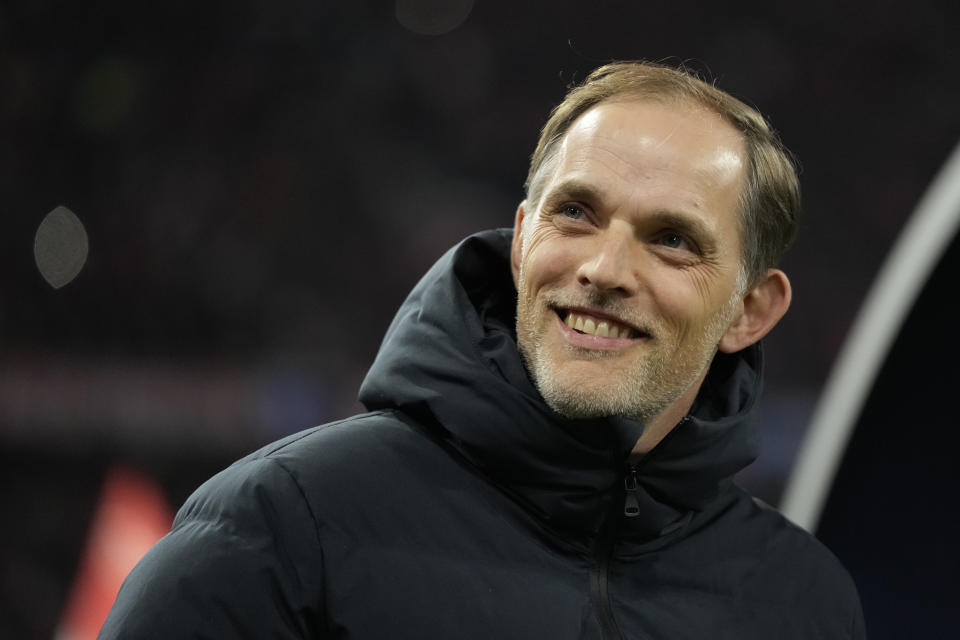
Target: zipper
{"points": [[631, 482], [599, 588], [603, 549], [603, 553]]}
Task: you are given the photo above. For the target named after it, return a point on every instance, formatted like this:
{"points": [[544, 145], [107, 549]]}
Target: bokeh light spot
{"points": [[60, 247], [432, 17]]}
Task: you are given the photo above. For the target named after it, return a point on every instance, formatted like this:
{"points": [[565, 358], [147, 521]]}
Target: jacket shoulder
{"points": [[348, 432], [787, 543], [239, 538], [792, 569], [248, 535]]}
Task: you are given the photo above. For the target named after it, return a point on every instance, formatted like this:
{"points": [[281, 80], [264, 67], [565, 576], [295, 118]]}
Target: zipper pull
{"points": [[631, 505]]}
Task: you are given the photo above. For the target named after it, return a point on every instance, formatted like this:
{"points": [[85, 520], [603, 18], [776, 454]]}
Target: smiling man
{"points": [[556, 414], [629, 266]]}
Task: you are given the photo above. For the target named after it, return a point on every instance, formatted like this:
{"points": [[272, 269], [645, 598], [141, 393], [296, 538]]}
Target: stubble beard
{"points": [[657, 379]]}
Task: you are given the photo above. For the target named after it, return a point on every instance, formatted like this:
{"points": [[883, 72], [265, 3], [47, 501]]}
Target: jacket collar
{"points": [[450, 358]]}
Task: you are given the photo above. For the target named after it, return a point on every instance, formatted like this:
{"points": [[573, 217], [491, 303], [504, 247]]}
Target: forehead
{"points": [[638, 141]]}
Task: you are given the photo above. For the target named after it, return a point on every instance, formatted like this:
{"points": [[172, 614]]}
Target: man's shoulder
{"points": [[788, 541], [751, 523], [765, 572], [327, 440], [787, 563], [328, 464]]}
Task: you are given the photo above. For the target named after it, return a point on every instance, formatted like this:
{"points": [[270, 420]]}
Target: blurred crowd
{"points": [[248, 190]]}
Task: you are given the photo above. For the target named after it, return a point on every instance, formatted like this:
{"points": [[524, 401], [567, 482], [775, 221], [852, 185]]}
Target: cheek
{"points": [[547, 260], [689, 300], [703, 288]]}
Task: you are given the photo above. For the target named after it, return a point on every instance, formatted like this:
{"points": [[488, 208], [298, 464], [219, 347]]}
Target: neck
{"points": [[664, 422]]}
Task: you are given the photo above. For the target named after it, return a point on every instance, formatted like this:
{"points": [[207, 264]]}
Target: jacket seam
{"points": [[316, 533], [312, 430], [303, 497]]}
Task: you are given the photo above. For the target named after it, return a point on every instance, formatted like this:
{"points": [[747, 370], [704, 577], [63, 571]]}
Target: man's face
{"points": [[627, 271]]}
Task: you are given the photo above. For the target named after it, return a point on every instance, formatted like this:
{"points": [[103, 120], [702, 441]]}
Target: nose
{"points": [[612, 264]]}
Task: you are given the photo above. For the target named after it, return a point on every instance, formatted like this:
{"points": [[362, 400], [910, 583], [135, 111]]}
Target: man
{"points": [[555, 418]]}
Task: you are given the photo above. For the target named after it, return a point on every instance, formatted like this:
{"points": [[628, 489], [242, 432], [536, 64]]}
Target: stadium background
{"points": [[260, 184]]}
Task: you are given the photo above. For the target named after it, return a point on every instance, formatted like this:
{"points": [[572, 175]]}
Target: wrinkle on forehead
{"points": [[721, 165]]}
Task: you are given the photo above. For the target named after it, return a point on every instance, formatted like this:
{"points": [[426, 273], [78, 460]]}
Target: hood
{"points": [[450, 360]]}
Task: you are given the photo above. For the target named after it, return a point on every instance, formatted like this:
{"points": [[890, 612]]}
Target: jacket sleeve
{"points": [[243, 560]]}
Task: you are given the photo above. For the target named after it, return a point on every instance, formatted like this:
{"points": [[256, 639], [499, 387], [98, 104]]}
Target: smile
{"points": [[591, 324]]}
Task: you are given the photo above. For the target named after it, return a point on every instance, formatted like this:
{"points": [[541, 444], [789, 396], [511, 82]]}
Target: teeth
{"points": [[603, 328]]}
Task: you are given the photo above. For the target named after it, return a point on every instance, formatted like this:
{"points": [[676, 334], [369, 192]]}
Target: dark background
{"points": [[891, 514], [261, 183]]}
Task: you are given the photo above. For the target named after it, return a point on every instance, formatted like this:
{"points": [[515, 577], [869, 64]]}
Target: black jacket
{"points": [[463, 507]]}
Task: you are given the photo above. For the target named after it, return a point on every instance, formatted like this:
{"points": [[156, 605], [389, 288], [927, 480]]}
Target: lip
{"points": [[596, 343], [602, 316]]}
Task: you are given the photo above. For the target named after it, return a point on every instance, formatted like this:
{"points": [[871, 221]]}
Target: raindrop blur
{"points": [[432, 17], [60, 247]]}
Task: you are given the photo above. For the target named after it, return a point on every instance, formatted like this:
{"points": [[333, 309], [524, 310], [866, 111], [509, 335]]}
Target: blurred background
{"points": [[209, 212]]}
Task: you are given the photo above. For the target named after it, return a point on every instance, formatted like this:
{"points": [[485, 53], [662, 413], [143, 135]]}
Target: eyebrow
{"points": [[687, 223], [575, 189]]}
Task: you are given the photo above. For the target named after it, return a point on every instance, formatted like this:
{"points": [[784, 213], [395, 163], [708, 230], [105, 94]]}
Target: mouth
{"points": [[597, 324]]}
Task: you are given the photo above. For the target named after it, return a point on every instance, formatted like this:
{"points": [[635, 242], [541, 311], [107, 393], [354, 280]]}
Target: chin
{"points": [[588, 389]]}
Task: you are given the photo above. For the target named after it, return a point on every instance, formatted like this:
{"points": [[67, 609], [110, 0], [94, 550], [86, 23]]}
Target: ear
{"points": [[516, 247], [762, 308]]}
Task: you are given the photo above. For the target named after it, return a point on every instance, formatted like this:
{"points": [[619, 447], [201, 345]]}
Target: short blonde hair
{"points": [[770, 202]]}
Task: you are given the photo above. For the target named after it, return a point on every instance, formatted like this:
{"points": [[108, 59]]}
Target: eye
{"points": [[572, 211], [672, 240], [678, 241]]}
